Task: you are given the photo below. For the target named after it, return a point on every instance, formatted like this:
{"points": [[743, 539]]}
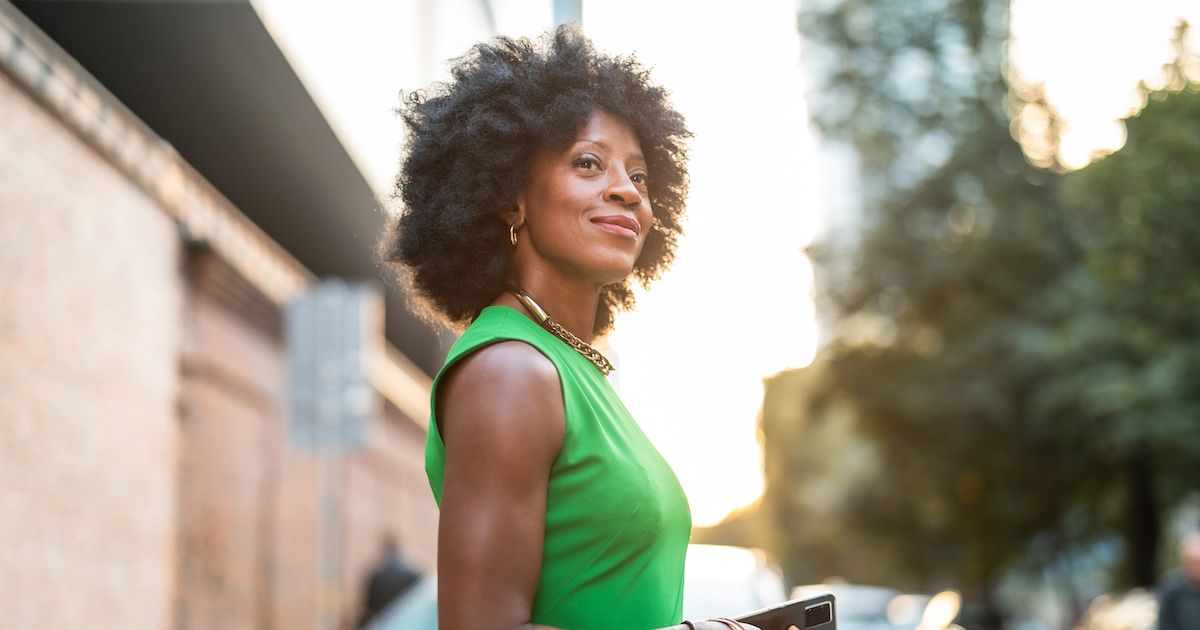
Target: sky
{"points": [[737, 305], [1090, 54]]}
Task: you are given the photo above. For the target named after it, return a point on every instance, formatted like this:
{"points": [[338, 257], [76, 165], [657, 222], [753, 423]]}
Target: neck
{"points": [[570, 303]]}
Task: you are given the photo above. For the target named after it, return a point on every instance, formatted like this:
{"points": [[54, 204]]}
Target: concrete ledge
{"points": [[37, 64]]}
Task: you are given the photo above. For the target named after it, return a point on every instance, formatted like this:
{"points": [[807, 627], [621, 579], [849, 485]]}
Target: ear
{"points": [[514, 215]]}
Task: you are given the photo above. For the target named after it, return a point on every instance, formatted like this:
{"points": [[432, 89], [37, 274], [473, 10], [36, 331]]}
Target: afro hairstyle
{"points": [[471, 142]]}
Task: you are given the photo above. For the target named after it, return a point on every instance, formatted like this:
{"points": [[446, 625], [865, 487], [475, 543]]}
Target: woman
{"points": [[538, 182]]}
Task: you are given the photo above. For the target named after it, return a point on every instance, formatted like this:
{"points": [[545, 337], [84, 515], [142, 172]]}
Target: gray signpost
{"points": [[332, 332]]}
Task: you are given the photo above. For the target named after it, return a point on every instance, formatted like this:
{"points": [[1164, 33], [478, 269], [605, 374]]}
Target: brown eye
{"points": [[644, 178], [587, 160]]}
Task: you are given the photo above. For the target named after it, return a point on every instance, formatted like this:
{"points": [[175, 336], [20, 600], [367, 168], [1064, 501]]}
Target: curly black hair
{"points": [[470, 146]]}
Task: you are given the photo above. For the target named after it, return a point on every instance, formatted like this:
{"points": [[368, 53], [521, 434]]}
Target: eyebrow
{"points": [[636, 156]]}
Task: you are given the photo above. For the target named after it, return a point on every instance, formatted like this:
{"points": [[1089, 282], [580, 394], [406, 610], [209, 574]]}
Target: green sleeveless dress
{"points": [[617, 520]]}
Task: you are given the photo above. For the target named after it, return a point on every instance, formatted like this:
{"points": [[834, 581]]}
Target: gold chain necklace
{"points": [[580, 346]]}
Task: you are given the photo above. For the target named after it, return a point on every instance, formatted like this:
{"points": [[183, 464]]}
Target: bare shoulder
{"points": [[514, 362], [501, 417], [504, 390]]}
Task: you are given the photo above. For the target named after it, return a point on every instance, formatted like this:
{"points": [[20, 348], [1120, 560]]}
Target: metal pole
{"points": [[329, 539]]}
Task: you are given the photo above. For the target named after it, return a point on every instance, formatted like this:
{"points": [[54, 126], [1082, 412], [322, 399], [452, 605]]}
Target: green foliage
{"points": [[904, 81], [1012, 371]]}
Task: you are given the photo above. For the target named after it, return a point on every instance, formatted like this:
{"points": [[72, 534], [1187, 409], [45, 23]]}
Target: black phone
{"points": [[816, 613]]}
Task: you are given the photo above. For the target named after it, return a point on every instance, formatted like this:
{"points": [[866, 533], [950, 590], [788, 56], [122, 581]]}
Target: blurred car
{"points": [[722, 581], [861, 607], [1133, 610], [858, 607], [719, 581], [416, 609]]}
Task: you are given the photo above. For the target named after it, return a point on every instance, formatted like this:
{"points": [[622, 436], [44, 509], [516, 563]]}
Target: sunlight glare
{"points": [[1090, 56], [736, 306]]}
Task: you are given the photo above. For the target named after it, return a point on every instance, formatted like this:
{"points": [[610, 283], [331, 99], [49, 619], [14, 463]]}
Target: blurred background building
{"points": [[169, 187]]}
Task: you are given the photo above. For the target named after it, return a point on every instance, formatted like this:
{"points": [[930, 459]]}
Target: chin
{"points": [[612, 270]]}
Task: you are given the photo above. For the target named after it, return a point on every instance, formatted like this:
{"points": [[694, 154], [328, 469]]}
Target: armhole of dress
{"points": [[434, 422]]}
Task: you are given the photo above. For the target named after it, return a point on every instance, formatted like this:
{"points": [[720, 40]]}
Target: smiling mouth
{"points": [[620, 225]]}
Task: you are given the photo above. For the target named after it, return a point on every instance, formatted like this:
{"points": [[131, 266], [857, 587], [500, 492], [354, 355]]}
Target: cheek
{"points": [[550, 210], [650, 223], [565, 209], [560, 226], [562, 197]]}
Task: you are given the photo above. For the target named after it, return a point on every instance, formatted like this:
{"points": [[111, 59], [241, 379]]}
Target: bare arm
{"points": [[500, 413]]}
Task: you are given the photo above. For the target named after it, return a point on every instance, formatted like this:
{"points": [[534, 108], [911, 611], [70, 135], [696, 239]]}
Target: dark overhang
{"points": [[207, 77]]}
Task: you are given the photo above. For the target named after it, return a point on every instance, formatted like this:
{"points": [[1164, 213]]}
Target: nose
{"points": [[622, 190]]}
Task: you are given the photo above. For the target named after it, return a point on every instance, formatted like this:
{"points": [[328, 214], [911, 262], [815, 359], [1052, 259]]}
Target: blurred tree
{"points": [[956, 234], [1003, 376], [1121, 358]]}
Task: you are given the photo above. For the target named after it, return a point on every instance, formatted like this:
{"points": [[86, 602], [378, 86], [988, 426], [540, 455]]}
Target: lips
{"points": [[619, 224]]}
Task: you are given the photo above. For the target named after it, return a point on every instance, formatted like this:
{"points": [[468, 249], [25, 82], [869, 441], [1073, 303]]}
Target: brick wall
{"points": [[145, 476], [231, 414], [90, 312], [250, 502], [387, 492]]}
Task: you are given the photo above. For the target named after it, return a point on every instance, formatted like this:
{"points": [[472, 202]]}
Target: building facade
{"points": [[147, 478]]}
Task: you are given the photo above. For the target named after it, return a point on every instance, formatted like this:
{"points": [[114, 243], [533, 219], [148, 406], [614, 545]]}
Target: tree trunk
{"points": [[1142, 528], [993, 618]]}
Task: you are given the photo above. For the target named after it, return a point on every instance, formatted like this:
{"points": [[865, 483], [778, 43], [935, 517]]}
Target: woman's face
{"points": [[587, 208]]}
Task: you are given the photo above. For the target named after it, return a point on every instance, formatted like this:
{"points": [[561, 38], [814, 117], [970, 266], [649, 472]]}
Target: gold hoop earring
{"points": [[512, 234]]}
